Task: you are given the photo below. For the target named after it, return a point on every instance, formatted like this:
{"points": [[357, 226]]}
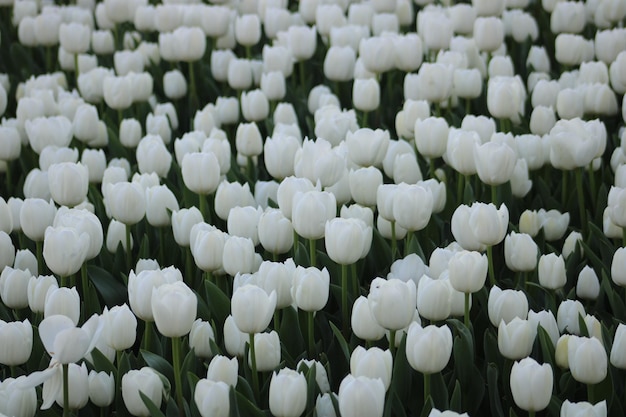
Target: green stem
{"points": [[66, 390], [311, 333], [426, 386], [161, 245], [251, 172], [531, 414], [64, 281], [85, 287], [193, 95], [9, 178], [40, 262], [302, 73], [312, 252], [581, 199], [176, 342], [203, 205], [393, 241], [355, 282], [189, 272], [431, 167], [128, 249], [492, 274], [364, 119], [277, 320], [468, 106], [564, 187], [344, 298], [460, 186], [467, 310], [255, 375], [494, 194], [407, 242], [147, 336], [392, 342], [591, 394], [437, 109], [592, 181], [76, 69]]}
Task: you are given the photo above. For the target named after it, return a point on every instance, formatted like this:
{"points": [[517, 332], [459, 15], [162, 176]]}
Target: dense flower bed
{"points": [[314, 208]]}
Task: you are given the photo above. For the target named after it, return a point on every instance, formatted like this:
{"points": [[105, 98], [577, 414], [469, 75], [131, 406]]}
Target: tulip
{"points": [[68, 183], [506, 97], [587, 285], [546, 320], [321, 376], [130, 133], [101, 388], [223, 369], [361, 396], [554, 223], [230, 195], [183, 221], [35, 216], [372, 363], [587, 359], [275, 231], [174, 84], [75, 380], [267, 351], [583, 408], [288, 393], [618, 272], [506, 305], [310, 288], [273, 85], [434, 298], [340, 236], [19, 399], [14, 287], [392, 303], [239, 256], [146, 381], [495, 162], [428, 349], [126, 202], [459, 150], [153, 156], [515, 339], [17, 342], [207, 246], [211, 398], [531, 384], [317, 161], [412, 207], [366, 94], [252, 308], [174, 309], [520, 252], [65, 249], [120, 327], [573, 144], [254, 107], [552, 272], [568, 314], [311, 211], [363, 322], [64, 341], [339, 63], [467, 272], [279, 152]]}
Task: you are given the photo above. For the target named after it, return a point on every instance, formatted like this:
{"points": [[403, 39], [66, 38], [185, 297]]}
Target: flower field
{"points": [[316, 208]]}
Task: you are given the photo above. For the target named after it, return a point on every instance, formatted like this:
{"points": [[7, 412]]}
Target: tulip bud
{"points": [[78, 387], [310, 289], [174, 308], [552, 272], [520, 252], [412, 206], [268, 351], [428, 349], [174, 84], [223, 369], [144, 380], [230, 195], [65, 249], [534, 396], [126, 202], [252, 308], [583, 408], [372, 363], [212, 398], [546, 320], [515, 339], [120, 327], [587, 359], [275, 231], [347, 240], [587, 285], [363, 322], [468, 271], [101, 388], [392, 302], [69, 183], [434, 298], [130, 133], [361, 396], [288, 393], [16, 340], [568, 314], [506, 305], [182, 222]]}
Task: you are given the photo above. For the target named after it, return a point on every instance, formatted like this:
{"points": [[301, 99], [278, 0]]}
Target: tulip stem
{"points": [[344, 297], [40, 263], [84, 284], [564, 188], [63, 281], [250, 168], [311, 333], [426, 387], [312, 252], [494, 194], [177, 377], [364, 119], [431, 167], [355, 282], [393, 241], [193, 96], [624, 236], [255, 375], [590, 394], [531, 414], [203, 207], [592, 181], [581, 199], [460, 186], [392, 342], [9, 179], [492, 274], [277, 320], [161, 245], [128, 249], [467, 310], [66, 390], [147, 336]]}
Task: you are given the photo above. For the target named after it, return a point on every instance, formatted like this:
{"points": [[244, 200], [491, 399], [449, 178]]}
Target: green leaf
{"points": [[154, 410], [342, 342], [112, 291], [290, 332], [494, 395], [455, 400], [101, 362], [547, 347], [218, 302], [158, 363], [247, 408]]}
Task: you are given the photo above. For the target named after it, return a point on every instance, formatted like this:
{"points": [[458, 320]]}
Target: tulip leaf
{"points": [[455, 400], [439, 391], [154, 410], [428, 406], [617, 304], [401, 375], [218, 302], [243, 387], [158, 363], [232, 397], [189, 363], [512, 413], [582, 326], [112, 291], [547, 347], [554, 407], [246, 407], [312, 387], [398, 406], [101, 362], [290, 334], [494, 395], [341, 340]]}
